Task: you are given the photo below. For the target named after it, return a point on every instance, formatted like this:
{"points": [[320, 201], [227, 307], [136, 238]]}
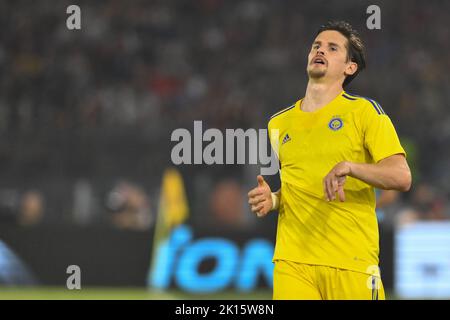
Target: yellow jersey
{"points": [[310, 229]]}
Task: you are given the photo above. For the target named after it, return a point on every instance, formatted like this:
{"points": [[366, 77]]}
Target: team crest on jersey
{"points": [[335, 123]]}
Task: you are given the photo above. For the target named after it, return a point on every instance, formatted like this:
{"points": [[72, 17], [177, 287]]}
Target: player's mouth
{"points": [[319, 61]]}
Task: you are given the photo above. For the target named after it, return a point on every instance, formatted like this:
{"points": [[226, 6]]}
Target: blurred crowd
{"points": [[86, 115]]}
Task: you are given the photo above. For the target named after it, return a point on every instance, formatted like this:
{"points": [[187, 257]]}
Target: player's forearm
{"points": [[389, 174], [276, 196], [278, 192]]}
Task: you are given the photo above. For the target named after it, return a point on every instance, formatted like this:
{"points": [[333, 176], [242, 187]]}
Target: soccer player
{"points": [[334, 147]]}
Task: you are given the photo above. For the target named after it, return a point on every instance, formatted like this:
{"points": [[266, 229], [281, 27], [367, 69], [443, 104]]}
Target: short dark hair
{"points": [[355, 46]]}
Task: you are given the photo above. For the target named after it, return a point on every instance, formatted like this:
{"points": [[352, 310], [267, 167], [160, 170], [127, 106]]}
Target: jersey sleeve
{"points": [[274, 138], [380, 137]]}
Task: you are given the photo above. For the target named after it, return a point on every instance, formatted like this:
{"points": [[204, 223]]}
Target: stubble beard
{"points": [[316, 73]]}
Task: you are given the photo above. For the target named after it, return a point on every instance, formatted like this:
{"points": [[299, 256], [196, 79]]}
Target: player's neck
{"points": [[319, 95]]}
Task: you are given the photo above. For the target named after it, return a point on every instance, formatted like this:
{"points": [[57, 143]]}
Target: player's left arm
{"points": [[388, 170], [391, 173]]}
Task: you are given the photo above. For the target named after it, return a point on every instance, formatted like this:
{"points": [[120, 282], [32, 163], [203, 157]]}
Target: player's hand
{"points": [[334, 181], [260, 198]]}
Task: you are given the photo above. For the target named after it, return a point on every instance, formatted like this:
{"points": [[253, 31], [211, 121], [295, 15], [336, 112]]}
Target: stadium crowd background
{"points": [[86, 116]]}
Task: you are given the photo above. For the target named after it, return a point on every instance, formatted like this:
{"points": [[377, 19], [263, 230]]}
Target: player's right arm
{"points": [[262, 200]]}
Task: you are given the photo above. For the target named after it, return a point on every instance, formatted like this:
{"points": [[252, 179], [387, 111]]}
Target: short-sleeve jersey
{"points": [[312, 230]]}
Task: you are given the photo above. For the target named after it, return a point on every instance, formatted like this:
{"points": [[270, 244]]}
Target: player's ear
{"points": [[351, 68]]}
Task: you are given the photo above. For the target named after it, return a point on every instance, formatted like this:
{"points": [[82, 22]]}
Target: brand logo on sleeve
{"points": [[286, 139]]}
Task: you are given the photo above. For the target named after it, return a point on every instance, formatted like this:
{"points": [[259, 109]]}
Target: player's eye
{"points": [[316, 46], [333, 49]]}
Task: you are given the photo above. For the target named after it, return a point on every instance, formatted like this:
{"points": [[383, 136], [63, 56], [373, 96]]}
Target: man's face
{"points": [[328, 57]]}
